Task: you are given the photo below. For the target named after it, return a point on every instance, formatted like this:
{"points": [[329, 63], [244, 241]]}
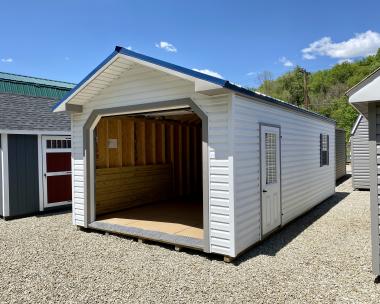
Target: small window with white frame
{"points": [[58, 143], [324, 150]]}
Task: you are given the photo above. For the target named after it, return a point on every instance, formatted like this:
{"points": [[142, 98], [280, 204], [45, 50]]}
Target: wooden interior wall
{"points": [[124, 187], [125, 142]]}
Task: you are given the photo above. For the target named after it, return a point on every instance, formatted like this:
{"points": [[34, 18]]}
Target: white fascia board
{"points": [[5, 174], [199, 84], [40, 175], [62, 107]]}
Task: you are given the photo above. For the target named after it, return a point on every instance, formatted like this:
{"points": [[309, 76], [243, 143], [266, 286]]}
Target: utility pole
{"points": [[306, 101]]}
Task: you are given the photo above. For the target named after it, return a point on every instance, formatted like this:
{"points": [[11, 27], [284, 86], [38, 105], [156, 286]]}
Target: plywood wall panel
{"points": [[114, 134], [160, 143], [150, 142], [128, 142], [120, 188], [142, 144], [102, 151]]}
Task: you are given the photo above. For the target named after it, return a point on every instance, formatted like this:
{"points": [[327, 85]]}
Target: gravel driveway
{"points": [[322, 257]]}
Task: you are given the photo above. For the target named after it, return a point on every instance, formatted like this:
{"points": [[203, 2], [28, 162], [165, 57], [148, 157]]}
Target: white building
{"points": [[167, 153], [365, 97]]}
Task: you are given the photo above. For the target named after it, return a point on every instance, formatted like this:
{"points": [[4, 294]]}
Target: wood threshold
{"points": [[178, 222]]}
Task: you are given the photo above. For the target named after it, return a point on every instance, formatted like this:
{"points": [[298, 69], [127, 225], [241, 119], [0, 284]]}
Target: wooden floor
{"points": [[183, 218]]}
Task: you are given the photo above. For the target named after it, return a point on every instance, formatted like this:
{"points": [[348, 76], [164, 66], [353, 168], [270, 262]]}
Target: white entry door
{"points": [[270, 179], [56, 151]]}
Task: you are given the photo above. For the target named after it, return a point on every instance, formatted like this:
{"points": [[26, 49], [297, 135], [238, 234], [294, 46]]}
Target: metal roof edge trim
{"points": [[278, 102], [218, 81]]}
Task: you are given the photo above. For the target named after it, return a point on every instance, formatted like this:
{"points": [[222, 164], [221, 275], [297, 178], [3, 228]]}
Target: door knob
{"points": [[265, 190]]}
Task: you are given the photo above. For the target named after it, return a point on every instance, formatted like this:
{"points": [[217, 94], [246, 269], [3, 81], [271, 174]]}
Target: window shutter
{"points": [[320, 150], [328, 151]]}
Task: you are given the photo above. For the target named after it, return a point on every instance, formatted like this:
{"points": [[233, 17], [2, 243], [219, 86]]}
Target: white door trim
{"points": [[4, 174], [46, 174], [279, 174], [40, 172]]}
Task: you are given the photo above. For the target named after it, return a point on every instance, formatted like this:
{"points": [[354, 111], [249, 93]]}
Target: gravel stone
{"points": [[322, 257]]}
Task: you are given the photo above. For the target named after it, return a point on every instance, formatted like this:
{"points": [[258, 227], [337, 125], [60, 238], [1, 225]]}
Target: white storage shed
{"points": [[360, 154], [365, 97], [166, 153]]}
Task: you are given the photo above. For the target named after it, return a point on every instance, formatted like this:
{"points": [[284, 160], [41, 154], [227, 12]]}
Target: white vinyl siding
{"points": [[143, 86], [304, 183], [360, 155]]}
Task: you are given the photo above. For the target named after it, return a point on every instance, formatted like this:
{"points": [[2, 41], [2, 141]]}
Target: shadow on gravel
{"points": [[281, 238], [343, 179], [46, 213], [54, 212]]}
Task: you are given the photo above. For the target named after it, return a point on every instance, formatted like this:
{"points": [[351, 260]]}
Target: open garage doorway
{"points": [[149, 176]]}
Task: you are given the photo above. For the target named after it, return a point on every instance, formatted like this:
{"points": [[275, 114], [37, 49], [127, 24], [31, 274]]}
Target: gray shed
{"points": [[360, 154], [35, 166], [340, 153]]}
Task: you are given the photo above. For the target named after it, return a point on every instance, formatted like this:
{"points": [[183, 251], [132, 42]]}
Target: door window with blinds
{"points": [[324, 149], [271, 158]]}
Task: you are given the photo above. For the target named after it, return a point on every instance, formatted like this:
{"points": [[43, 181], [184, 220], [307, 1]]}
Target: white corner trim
{"points": [[40, 174], [357, 122], [5, 174], [91, 168], [231, 107]]}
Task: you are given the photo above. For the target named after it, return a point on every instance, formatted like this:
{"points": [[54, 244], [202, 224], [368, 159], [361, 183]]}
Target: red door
{"points": [[57, 171]]}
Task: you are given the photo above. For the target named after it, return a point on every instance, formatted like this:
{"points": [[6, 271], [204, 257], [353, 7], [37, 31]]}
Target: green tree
{"points": [[326, 88]]}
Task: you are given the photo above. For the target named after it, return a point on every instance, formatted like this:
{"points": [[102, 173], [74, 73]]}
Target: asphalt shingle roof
{"points": [[20, 112]]}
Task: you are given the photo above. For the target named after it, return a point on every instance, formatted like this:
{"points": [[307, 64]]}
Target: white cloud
{"points": [[345, 60], [251, 73], [208, 72], [166, 46], [7, 60], [308, 56], [286, 62], [362, 44], [129, 48]]}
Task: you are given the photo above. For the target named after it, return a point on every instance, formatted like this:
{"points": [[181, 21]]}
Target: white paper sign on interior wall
{"points": [[112, 143]]}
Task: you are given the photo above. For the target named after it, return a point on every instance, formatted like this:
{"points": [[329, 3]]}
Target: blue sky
{"points": [[65, 40]]}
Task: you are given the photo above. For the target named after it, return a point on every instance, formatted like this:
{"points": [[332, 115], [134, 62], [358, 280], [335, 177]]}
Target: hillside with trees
{"points": [[322, 91]]}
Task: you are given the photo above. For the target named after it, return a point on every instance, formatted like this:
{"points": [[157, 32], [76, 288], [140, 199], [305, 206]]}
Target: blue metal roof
{"points": [[218, 81]]}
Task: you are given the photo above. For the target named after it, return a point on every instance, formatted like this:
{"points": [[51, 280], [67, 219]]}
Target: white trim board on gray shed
{"points": [[298, 156], [360, 154], [365, 97]]}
